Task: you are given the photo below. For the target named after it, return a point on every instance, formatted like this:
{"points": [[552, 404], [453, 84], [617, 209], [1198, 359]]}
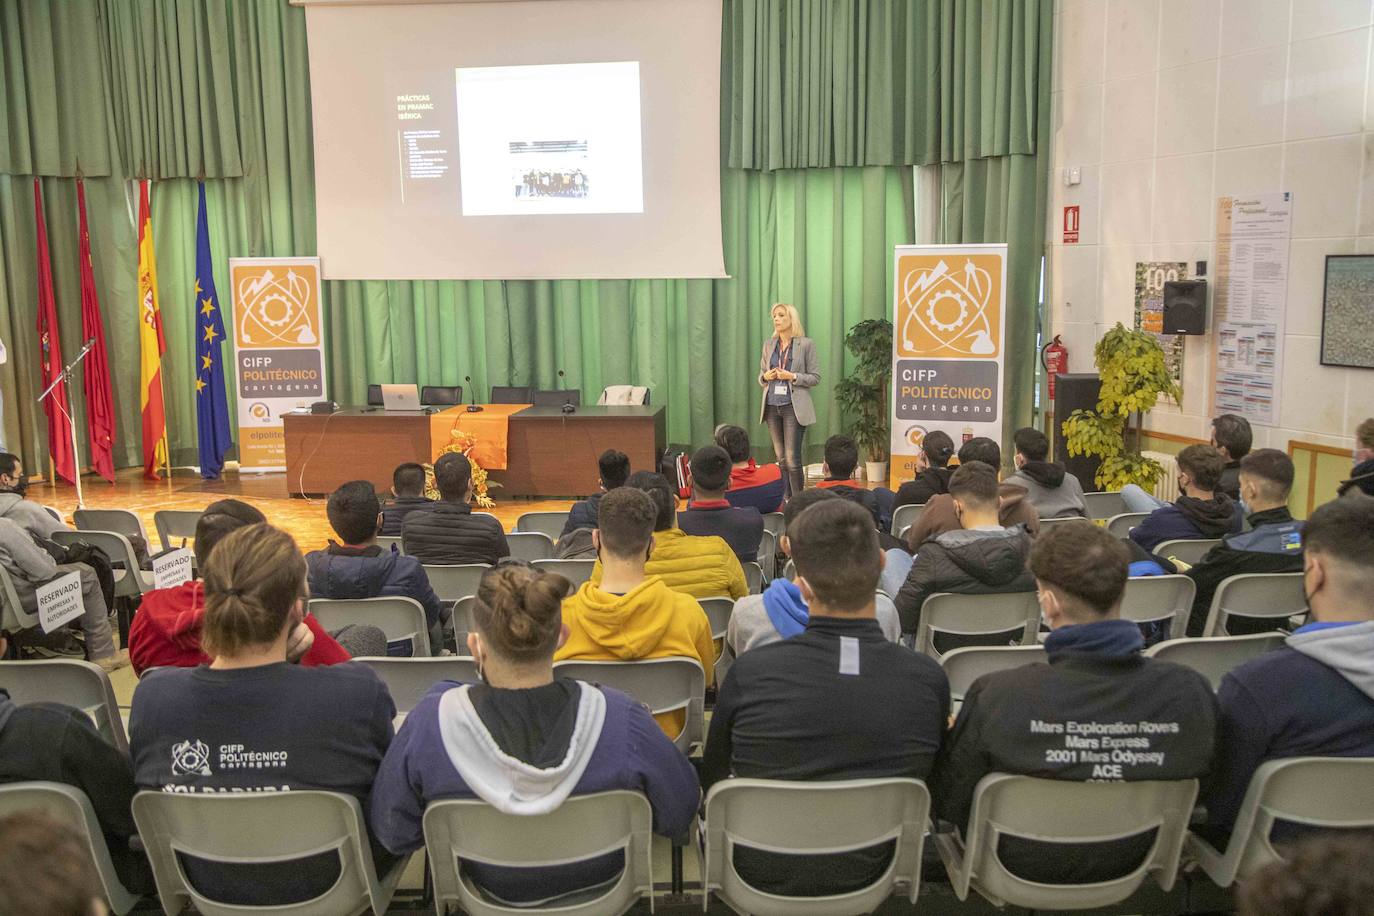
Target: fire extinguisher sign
{"points": [[1071, 225]]}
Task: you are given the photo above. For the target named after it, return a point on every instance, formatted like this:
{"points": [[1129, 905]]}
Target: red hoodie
{"points": [[166, 632]]}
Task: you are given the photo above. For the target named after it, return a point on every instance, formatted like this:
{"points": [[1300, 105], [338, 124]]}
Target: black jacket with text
{"points": [[1273, 545], [452, 533]]}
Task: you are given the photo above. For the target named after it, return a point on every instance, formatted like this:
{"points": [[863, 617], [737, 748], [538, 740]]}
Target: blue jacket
{"points": [[1189, 519], [583, 513], [1273, 545], [346, 572]]}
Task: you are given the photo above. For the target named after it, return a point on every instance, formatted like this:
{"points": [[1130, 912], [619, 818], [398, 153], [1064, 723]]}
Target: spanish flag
{"points": [[151, 344]]}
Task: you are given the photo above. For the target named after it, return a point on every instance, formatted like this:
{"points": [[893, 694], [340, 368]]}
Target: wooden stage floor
{"points": [[303, 518]]}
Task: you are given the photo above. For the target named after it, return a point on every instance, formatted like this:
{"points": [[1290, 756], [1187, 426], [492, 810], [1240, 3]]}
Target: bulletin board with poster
{"points": [[948, 347], [1150, 277]]}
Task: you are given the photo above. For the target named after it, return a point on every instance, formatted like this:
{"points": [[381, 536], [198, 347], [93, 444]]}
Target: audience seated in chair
{"points": [[360, 568], [781, 611], [710, 513], [614, 468], [450, 532], [1053, 493], [837, 701], [166, 631], [1362, 474], [523, 741], [1012, 506], [932, 471], [25, 513], [982, 558], [1315, 696], [45, 868], [1097, 695], [626, 613], [408, 495], [703, 567], [752, 485], [55, 743], [252, 721], [1319, 876], [841, 458], [1200, 512], [1231, 436], [1273, 545]]}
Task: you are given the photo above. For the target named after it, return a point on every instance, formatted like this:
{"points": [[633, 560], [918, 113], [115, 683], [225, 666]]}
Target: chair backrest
{"points": [[718, 612], [121, 520], [176, 527], [1120, 525], [1189, 550], [1047, 523], [905, 516], [753, 577], [386, 542], [583, 827], [1052, 810], [128, 581], [550, 523], [260, 828], [462, 620], [510, 394], [967, 664], [774, 522], [530, 545], [374, 395], [814, 818], [441, 395], [978, 615], [409, 679], [1272, 596], [13, 617], [624, 395], [1102, 504], [662, 684], [1214, 656], [451, 582], [1323, 792], [70, 806], [556, 397], [768, 552], [401, 619], [57, 516], [575, 571], [1151, 598], [71, 682]]}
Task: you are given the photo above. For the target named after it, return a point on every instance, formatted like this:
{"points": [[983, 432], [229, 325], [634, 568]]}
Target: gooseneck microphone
{"points": [[474, 407], [568, 406]]}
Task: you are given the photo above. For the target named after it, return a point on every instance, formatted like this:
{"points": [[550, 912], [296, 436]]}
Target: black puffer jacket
{"points": [[451, 533], [975, 562], [929, 482]]}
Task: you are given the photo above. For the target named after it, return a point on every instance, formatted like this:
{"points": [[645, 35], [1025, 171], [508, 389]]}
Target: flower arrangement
{"points": [[463, 443]]}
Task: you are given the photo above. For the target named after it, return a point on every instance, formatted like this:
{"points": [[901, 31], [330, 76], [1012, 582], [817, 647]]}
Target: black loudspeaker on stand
{"points": [[1075, 391], [1185, 307]]}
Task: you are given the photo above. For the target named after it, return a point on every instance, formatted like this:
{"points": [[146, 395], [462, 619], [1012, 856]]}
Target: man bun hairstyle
{"points": [[835, 549], [841, 456], [408, 479], [1271, 471], [614, 468], [518, 611], [220, 519], [1203, 464], [1031, 444], [711, 468], [660, 492], [625, 521], [976, 483], [452, 475], [1232, 432], [1084, 562], [352, 510], [981, 448], [735, 441], [939, 448], [252, 581]]}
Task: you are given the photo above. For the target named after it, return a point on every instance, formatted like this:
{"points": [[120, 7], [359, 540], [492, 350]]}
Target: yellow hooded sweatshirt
{"points": [[703, 567], [649, 621]]}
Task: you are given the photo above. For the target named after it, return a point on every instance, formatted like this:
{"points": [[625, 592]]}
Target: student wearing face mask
{"points": [[25, 513], [1201, 511]]}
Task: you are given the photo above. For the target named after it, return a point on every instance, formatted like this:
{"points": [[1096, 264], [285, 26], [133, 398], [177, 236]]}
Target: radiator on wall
{"points": [[1166, 488]]}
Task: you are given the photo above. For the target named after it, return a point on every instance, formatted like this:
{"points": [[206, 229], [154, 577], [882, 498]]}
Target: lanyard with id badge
{"points": [[781, 388]]}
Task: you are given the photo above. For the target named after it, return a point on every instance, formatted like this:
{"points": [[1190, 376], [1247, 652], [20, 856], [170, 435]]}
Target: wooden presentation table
{"points": [[548, 453]]}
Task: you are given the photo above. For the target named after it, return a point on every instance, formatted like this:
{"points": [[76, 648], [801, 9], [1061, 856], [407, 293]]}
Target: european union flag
{"points": [[212, 404]]}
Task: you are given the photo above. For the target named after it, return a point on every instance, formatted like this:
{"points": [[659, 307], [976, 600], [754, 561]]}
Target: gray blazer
{"points": [[808, 376]]}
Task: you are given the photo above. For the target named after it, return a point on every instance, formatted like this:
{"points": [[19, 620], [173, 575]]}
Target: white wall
{"points": [[1168, 104]]}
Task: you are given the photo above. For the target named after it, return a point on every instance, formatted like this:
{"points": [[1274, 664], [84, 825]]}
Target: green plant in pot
{"points": [[862, 395], [1134, 376]]}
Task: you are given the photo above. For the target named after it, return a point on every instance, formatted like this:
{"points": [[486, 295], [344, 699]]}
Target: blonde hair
{"points": [[792, 315], [253, 579]]}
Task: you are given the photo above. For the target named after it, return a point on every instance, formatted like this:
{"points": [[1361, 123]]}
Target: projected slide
{"points": [[560, 138]]}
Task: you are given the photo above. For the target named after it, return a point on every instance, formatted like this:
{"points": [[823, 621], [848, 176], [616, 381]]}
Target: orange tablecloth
{"points": [[489, 426]]}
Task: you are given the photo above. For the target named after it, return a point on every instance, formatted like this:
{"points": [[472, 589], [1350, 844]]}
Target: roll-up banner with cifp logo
{"points": [[947, 347], [278, 351]]}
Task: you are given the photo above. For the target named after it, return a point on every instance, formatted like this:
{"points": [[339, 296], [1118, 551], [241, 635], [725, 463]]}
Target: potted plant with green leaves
{"points": [[1134, 374], [862, 396]]}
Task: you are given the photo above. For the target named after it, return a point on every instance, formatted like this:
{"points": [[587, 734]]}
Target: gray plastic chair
{"points": [[386, 542], [718, 612], [1149, 599], [583, 827], [530, 545], [550, 523], [1327, 792], [753, 577], [1215, 656], [1188, 550], [813, 818], [262, 827], [768, 553], [409, 679], [176, 527], [398, 617], [452, 582], [1120, 525], [72, 682], [1269, 596], [57, 516], [903, 517], [1047, 523], [967, 664], [575, 571], [70, 806], [121, 520], [662, 684], [775, 522], [977, 615], [1065, 812], [130, 581], [789, 571], [1104, 504], [13, 617]]}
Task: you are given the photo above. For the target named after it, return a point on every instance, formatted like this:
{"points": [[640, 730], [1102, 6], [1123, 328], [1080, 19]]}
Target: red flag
{"points": [[95, 376], [55, 405]]}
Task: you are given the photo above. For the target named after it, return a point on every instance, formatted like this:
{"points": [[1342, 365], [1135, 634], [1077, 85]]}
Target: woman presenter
{"points": [[787, 373]]}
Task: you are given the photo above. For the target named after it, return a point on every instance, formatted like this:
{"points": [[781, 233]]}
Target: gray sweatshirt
{"points": [[750, 626], [1053, 493], [28, 564]]}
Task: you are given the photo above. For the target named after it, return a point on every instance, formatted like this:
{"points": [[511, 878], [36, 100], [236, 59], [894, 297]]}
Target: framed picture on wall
{"points": [[1348, 311]]}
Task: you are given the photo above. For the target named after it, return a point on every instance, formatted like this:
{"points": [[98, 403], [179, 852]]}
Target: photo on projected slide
{"points": [[550, 139]]}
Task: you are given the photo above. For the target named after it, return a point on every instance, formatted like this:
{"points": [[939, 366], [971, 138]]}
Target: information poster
{"points": [[1150, 277], [947, 347], [278, 351], [1250, 304]]}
